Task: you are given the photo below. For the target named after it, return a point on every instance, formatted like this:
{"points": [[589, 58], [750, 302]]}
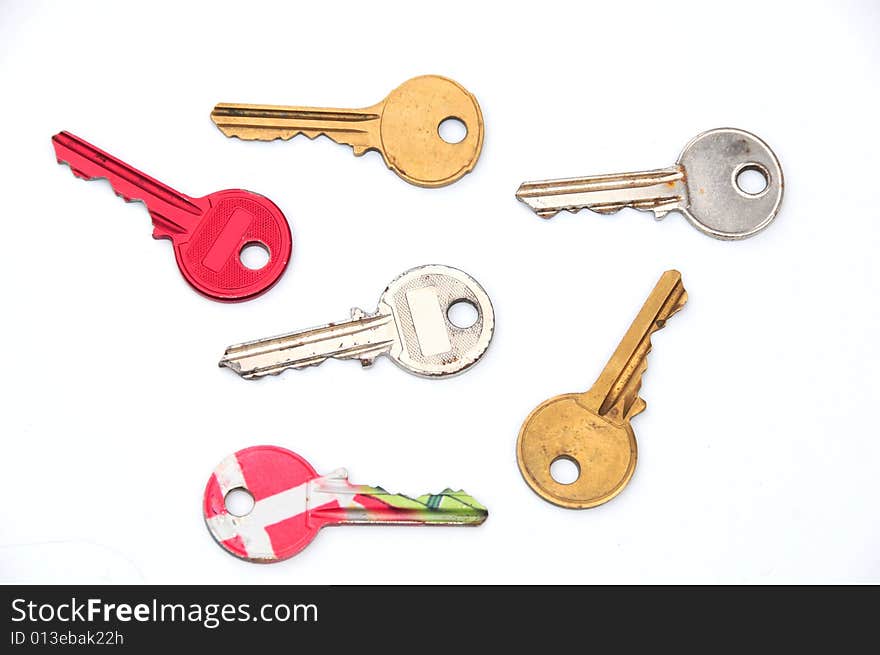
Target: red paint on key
{"points": [[208, 233], [267, 471]]}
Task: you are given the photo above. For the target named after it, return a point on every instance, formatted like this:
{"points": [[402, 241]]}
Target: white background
{"points": [[759, 450]]}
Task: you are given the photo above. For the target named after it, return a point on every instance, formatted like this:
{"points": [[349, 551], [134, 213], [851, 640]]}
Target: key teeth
{"points": [[679, 304], [235, 133], [550, 213], [629, 400], [543, 213], [76, 172], [432, 508], [161, 232], [461, 496], [637, 407], [230, 364], [277, 135], [253, 374], [458, 494], [85, 176], [660, 214]]}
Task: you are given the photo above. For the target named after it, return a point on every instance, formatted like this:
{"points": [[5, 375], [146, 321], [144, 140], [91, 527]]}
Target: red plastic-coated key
{"points": [[208, 233]]}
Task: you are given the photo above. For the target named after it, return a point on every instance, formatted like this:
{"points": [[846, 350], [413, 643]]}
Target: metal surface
{"points": [[411, 326], [292, 503], [592, 429], [702, 185], [208, 234], [404, 128]]}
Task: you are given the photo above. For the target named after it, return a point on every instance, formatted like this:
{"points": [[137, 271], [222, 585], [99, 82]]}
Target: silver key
{"points": [[704, 185], [411, 326]]}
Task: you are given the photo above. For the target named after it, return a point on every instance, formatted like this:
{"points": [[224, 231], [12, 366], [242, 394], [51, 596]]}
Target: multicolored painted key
{"points": [[209, 234], [292, 503]]}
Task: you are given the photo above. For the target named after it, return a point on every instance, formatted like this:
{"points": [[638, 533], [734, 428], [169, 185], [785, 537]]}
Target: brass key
{"points": [[592, 429], [404, 127]]}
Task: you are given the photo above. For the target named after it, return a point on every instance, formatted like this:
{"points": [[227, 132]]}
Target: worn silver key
{"points": [[705, 185], [411, 325]]}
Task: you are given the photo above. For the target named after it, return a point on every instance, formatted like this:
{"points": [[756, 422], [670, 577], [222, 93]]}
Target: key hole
{"points": [[752, 179], [254, 255], [452, 130], [462, 314], [565, 470], [239, 501]]}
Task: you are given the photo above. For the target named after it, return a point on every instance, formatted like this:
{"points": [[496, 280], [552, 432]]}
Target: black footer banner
{"points": [[250, 619]]}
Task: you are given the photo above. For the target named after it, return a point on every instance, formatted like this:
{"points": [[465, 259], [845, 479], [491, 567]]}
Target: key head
{"points": [[410, 131], [718, 206], [209, 256], [430, 344], [279, 525], [565, 427]]}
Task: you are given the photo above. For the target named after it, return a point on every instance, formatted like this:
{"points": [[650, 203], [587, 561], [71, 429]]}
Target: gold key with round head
{"points": [[404, 128], [592, 429]]}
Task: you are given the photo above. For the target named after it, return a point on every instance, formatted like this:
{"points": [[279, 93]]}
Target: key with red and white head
{"points": [[291, 503], [208, 233]]}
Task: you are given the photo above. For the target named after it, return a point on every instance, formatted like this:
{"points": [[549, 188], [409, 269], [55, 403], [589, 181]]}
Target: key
{"points": [[208, 234], [592, 429], [704, 185], [291, 503], [411, 326], [404, 128]]}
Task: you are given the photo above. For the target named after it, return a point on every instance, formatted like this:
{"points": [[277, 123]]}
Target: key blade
{"points": [[616, 393], [174, 211], [661, 191], [334, 499], [356, 128], [365, 337]]}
